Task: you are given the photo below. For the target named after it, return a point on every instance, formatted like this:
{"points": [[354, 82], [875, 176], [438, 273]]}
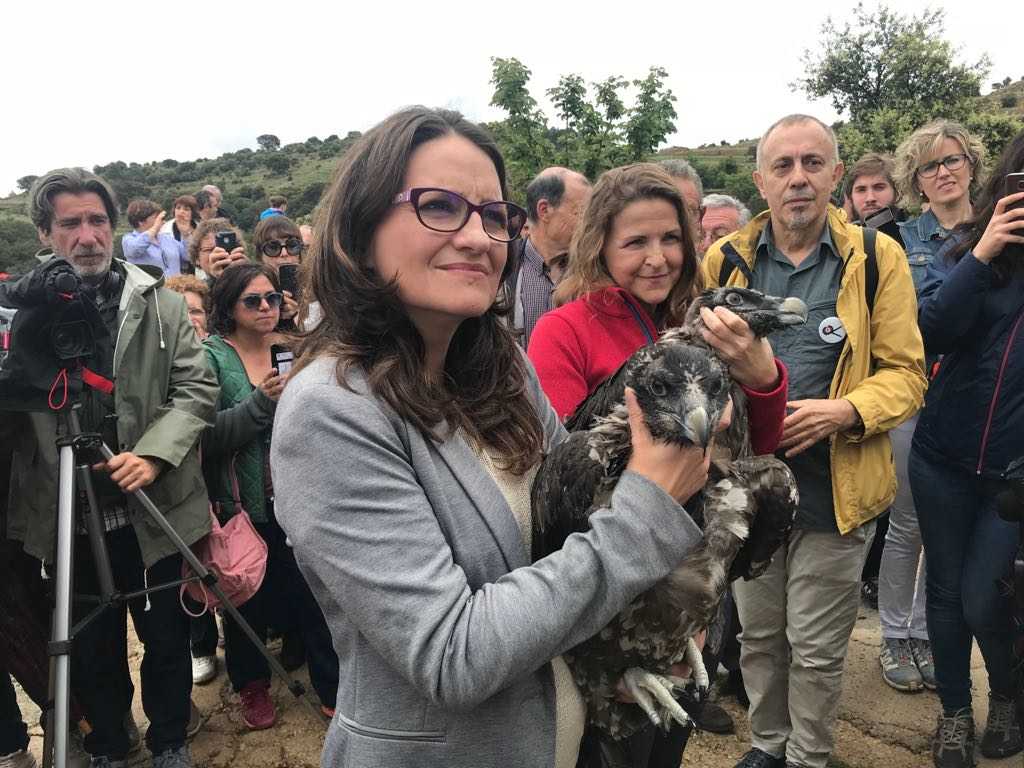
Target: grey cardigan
{"points": [[444, 630]]}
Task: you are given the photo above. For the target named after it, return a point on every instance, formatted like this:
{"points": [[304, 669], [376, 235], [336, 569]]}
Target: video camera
{"points": [[48, 332]]}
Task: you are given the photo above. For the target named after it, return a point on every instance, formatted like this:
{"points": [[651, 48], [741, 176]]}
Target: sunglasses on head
{"points": [[273, 248], [254, 300]]}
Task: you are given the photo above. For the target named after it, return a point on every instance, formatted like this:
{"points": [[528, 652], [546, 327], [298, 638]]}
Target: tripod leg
{"points": [[97, 535], [60, 660]]}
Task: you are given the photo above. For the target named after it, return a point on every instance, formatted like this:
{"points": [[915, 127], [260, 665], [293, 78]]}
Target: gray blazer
{"points": [[444, 630]]}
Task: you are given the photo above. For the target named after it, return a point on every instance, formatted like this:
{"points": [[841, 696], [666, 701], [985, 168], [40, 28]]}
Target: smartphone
{"points": [[288, 274], [281, 358], [1015, 184], [226, 240]]}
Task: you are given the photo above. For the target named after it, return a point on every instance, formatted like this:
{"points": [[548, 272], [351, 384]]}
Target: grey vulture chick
{"points": [[745, 510]]}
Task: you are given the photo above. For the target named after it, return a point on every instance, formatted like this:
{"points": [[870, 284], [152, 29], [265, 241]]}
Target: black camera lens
{"points": [[72, 340]]}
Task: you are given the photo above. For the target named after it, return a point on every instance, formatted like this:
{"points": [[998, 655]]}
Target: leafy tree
{"points": [[598, 130], [18, 244], [268, 142], [888, 60], [26, 182], [651, 119], [524, 133], [277, 163]]}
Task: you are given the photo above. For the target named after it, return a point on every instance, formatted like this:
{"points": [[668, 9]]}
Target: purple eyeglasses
{"points": [[445, 211]]}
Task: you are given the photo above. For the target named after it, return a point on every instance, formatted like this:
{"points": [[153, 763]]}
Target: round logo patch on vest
{"points": [[831, 330]]}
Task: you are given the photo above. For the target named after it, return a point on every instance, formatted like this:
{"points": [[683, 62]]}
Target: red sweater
{"points": [[577, 346]]}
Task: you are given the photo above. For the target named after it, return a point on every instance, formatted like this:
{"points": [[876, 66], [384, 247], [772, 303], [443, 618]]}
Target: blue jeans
{"points": [[969, 549]]}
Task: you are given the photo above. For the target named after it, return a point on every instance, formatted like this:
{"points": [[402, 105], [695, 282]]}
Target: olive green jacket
{"points": [[165, 396], [881, 365]]}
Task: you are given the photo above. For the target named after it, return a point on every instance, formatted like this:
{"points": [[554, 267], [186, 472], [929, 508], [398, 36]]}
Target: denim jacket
{"points": [[922, 236]]}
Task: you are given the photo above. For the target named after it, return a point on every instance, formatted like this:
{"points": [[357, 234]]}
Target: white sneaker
{"points": [[20, 759], [204, 669]]}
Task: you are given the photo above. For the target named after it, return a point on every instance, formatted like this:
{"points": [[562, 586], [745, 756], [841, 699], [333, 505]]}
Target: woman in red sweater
{"points": [[632, 273]]}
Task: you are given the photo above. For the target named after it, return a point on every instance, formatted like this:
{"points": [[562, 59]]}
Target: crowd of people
{"points": [[442, 334]]}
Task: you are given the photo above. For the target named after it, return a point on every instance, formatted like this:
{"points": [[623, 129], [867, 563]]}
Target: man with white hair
{"points": [[723, 215], [856, 370], [218, 199]]}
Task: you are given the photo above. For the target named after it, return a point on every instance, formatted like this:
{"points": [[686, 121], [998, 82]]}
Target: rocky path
{"points": [[878, 727]]}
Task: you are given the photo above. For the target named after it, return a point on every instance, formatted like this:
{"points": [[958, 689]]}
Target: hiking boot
{"points": [[953, 743], [20, 759], [173, 758], [1002, 730], [714, 719], [257, 709], [921, 650], [898, 667], [758, 758], [204, 669]]}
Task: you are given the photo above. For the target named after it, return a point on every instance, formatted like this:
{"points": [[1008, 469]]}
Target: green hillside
{"points": [[301, 171]]}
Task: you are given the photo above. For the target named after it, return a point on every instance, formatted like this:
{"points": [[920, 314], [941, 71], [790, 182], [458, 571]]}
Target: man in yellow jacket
{"points": [[856, 371]]}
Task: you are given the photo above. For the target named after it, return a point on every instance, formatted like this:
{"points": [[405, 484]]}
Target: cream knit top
{"points": [[570, 711]]}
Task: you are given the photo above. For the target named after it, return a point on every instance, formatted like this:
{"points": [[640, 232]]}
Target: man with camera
{"points": [[150, 395]]}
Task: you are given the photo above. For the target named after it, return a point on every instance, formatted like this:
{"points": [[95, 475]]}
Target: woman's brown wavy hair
{"points": [[365, 325], [615, 190]]}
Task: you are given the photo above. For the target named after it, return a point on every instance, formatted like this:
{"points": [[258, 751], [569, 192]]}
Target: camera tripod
{"points": [[74, 468]]}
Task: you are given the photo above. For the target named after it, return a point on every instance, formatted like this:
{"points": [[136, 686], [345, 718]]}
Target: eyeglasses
{"points": [[254, 300], [273, 248], [445, 211], [952, 163]]}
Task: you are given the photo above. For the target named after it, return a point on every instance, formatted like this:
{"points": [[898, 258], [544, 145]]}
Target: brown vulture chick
{"points": [[745, 510]]}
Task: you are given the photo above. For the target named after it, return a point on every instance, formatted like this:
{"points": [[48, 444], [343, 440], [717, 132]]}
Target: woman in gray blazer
{"points": [[403, 451]]}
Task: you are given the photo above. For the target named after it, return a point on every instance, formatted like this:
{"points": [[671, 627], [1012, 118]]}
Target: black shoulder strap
{"points": [[870, 268], [733, 261]]}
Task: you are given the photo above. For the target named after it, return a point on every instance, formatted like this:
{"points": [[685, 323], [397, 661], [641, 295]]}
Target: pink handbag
{"points": [[235, 552]]}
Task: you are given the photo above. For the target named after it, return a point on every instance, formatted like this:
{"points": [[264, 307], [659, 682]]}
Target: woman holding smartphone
{"points": [[937, 165], [246, 301], [971, 428], [277, 242]]}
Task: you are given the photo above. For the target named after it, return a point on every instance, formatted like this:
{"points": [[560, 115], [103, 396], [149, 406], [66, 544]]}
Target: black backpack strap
{"points": [[731, 262], [870, 268]]}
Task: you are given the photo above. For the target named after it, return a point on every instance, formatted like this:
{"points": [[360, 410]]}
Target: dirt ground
{"points": [[878, 726]]}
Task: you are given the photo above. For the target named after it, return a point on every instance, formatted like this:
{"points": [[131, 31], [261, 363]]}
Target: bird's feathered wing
{"points": [[745, 510]]}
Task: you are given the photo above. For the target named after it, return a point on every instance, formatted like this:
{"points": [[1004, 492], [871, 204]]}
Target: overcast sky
{"points": [[87, 83]]}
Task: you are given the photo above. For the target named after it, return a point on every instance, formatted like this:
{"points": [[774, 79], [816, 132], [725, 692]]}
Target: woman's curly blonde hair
{"points": [[923, 145]]}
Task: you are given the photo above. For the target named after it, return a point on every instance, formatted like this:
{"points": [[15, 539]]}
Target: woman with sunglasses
{"points": [[970, 431], [404, 449], [277, 240], [938, 165], [246, 301]]}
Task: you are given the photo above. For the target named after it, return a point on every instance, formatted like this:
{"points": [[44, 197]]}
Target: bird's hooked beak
{"points": [[697, 426], [792, 311]]}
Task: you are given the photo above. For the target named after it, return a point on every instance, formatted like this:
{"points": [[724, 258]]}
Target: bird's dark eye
{"points": [[658, 389], [734, 299], [714, 386]]}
